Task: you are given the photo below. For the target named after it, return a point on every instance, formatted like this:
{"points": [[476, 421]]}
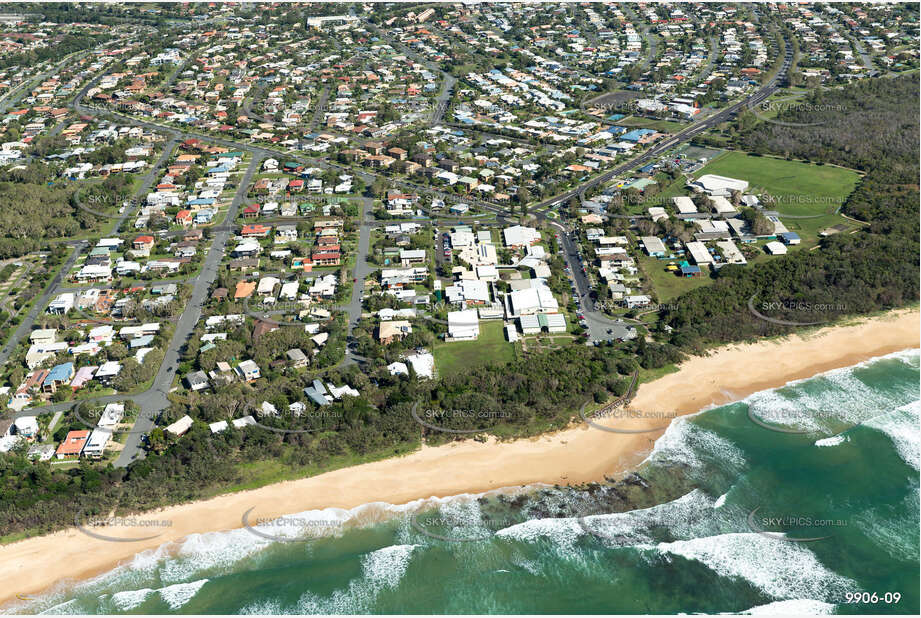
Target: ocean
{"points": [[801, 499]]}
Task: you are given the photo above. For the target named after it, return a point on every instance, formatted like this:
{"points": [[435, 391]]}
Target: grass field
{"points": [[491, 347], [667, 284], [800, 188], [663, 126]]}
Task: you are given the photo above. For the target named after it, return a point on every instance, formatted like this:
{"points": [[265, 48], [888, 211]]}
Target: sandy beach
{"points": [[573, 456]]}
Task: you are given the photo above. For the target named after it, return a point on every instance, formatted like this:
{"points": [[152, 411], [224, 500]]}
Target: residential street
{"points": [[154, 400]]}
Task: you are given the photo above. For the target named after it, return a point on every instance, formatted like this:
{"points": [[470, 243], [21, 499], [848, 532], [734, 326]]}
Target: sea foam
{"points": [[780, 569], [901, 426], [794, 607]]}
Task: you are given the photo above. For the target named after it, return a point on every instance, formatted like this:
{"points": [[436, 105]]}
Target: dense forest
{"points": [[67, 44], [34, 209], [871, 126]]}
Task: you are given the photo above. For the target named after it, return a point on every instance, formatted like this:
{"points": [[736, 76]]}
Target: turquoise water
{"points": [[717, 521]]}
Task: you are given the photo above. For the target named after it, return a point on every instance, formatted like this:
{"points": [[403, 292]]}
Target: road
{"points": [[441, 104], [598, 323], [320, 108], [149, 178], [646, 35], [50, 290], [361, 272], [154, 400], [711, 60]]}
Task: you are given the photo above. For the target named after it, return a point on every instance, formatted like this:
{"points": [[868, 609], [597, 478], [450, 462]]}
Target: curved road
{"points": [[154, 400]]}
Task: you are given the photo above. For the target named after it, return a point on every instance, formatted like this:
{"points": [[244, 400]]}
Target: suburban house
{"points": [[73, 444], [396, 329], [248, 370], [58, 376], [143, 243]]}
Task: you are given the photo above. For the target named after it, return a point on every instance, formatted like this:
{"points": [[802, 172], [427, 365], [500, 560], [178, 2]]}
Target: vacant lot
{"points": [[667, 284], [491, 347], [799, 188]]}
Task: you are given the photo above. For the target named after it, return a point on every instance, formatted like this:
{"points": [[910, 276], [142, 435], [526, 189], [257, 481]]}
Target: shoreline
{"points": [[572, 456]]}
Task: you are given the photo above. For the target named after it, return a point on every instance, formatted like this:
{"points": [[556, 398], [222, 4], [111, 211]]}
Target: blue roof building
{"points": [[59, 374], [636, 135]]}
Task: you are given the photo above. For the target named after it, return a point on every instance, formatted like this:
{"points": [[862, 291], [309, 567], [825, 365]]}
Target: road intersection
{"points": [[154, 400]]}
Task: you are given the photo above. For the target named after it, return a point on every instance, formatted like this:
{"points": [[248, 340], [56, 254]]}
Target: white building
{"points": [[520, 236], [62, 304], [719, 185], [699, 252], [532, 300], [684, 205], [96, 443], [463, 325], [776, 248]]}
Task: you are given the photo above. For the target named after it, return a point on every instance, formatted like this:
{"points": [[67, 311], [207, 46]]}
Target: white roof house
{"points": [[636, 301], [62, 303], [243, 421], [218, 426], [43, 335], [26, 426], [289, 290], [96, 443], [398, 369], [111, 415], [181, 426], [338, 391], [107, 370], [423, 363], [463, 325], [267, 285]]}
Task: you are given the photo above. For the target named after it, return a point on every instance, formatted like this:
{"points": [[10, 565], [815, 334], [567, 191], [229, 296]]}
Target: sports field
{"points": [[799, 188]]}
